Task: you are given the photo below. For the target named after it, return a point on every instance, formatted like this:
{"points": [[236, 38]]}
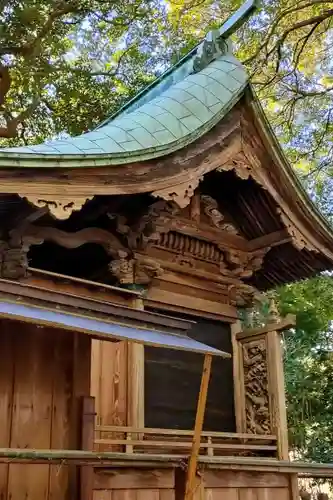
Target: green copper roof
{"points": [[180, 107]]}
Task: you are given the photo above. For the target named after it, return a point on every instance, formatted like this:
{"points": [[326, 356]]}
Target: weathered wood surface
{"points": [[43, 373], [128, 484], [210, 485], [109, 384]]}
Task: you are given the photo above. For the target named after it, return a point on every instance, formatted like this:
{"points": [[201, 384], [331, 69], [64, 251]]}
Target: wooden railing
{"points": [[178, 442]]}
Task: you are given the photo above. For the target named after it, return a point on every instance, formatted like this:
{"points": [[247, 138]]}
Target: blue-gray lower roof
{"points": [[102, 329]]}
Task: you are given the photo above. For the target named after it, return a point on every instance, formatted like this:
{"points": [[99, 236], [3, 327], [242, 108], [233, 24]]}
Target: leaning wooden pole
{"points": [[199, 420]]}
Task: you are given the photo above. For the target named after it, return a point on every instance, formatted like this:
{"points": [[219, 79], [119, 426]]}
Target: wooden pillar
{"points": [[136, 380], [261, 347], [191, 480], [294, 489], [277, 392], [87, 443], [238, 374]]}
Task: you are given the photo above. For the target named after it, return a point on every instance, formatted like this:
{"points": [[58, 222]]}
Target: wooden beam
{"points": [[199, 420], [269, 240], [284, 324]]}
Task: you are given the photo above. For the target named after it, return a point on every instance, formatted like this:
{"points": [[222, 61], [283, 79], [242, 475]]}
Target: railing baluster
{"points": [[210, 450], [129, 447]]}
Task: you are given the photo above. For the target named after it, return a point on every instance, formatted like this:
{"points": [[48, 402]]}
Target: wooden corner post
{"points": [[277, 393], [199, 420]]}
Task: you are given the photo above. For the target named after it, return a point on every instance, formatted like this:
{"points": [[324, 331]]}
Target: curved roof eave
{"points": [[169, 122], [281, 160]]}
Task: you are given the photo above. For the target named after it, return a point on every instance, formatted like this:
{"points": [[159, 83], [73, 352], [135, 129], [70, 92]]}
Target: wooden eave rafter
{"points": [[297, 211]]}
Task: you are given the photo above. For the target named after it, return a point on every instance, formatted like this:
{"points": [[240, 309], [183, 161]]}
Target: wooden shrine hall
{"points": [[128, 255]]}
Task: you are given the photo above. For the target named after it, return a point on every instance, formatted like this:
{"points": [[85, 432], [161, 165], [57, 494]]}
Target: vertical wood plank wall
{"points": [[168, 484], [109, 383], [43, 374]]}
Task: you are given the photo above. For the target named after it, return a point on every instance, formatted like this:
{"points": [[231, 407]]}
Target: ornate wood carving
{"points": [[244, 167], [243, 264], [14, 256], [158, 218], [96, 235], [256, 387], [231, 262], [185, 245], [139, 270], [211, 209], [181, 194], [242, 295], [59, 207], [298, 240], [123, 270]]}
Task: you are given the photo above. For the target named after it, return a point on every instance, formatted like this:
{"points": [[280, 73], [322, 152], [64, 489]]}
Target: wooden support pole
{"points": [[238, 374], [199, 420], [87, 444]]}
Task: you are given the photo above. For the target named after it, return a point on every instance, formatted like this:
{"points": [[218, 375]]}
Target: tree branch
{"points": [[276, 23], [11, 129]]}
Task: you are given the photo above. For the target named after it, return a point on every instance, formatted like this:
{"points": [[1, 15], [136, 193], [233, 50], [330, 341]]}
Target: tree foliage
{"points": [[309, 367]]}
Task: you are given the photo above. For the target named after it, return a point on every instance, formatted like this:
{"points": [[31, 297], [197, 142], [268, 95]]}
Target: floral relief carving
{"points": [[257, 416]]}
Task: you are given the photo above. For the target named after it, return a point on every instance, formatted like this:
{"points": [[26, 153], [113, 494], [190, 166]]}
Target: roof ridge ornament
{"points": [[215, 43]]}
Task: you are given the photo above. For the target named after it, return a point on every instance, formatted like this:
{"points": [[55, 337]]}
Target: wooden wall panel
{"points": [[109, 382], [31, 419], [119, 479], [142, 484], [135, 484], [224, 479], [102, 495], [221, 493], [248, 494], [43, 374], [60, 432], [6, 398]]}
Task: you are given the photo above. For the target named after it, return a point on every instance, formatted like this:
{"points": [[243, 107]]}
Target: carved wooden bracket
{"points": [[13, 256], [298, 240], [242, 295], [181, 194], [211, 209], [139, 270], [61, 207], [149, 227], [244, 166], [242, 264]]}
